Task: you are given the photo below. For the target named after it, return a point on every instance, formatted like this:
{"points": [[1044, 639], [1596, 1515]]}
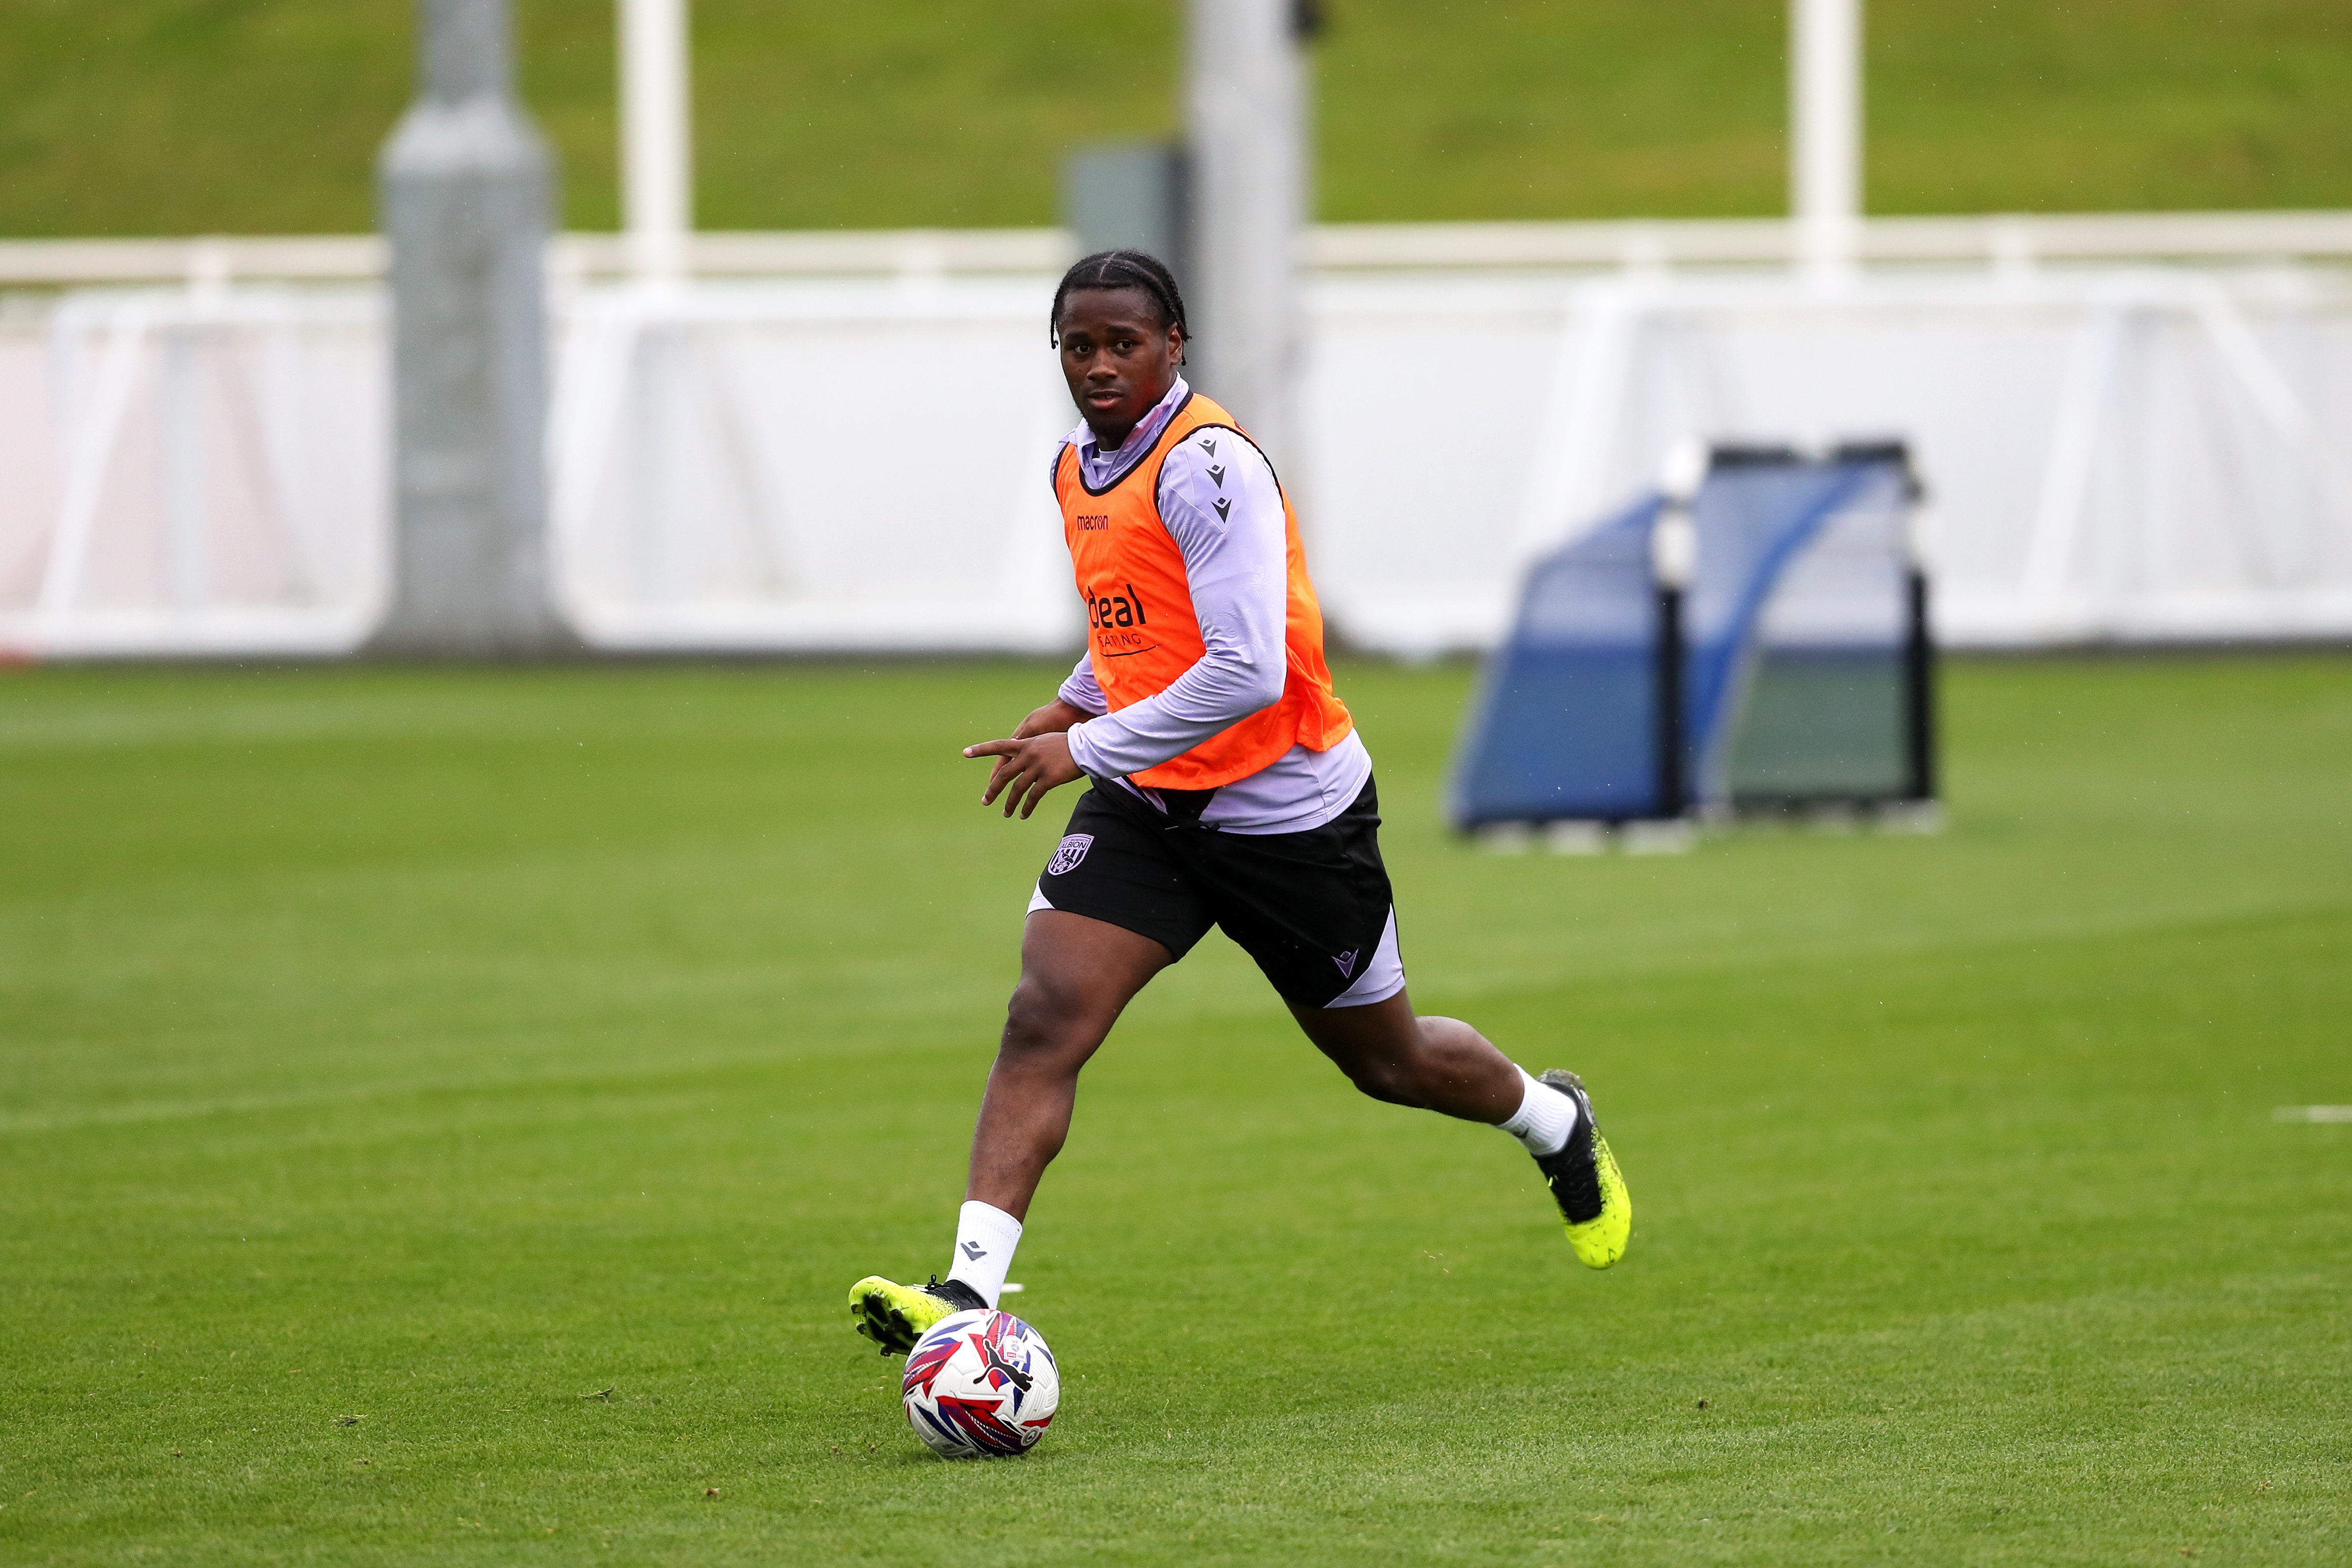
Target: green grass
{"points": [[184, 116], [440, 1050]]}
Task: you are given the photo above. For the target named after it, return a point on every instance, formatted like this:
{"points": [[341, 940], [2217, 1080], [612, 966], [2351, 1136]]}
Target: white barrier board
{"points": [[859, 463]]}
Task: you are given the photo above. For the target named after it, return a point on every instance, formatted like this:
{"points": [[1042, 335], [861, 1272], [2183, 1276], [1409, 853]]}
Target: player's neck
{"points": [[1110, 438]]}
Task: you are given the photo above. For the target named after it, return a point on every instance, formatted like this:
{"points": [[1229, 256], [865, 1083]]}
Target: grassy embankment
{"points": [[195, 116]]}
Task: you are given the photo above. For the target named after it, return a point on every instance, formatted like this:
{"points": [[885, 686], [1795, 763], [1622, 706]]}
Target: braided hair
{"points": [[1123, 270]]}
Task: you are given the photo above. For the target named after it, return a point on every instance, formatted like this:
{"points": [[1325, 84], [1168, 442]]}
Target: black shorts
{"points": [[1313, 909]]}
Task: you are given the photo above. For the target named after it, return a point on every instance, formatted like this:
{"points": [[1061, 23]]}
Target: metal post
{"points": [[466, 187], [1130, 195], [1674, 565], [1825, 132], [1246, 114], [1674, 784], [1919, 653], [184, 520], [657, 142]]}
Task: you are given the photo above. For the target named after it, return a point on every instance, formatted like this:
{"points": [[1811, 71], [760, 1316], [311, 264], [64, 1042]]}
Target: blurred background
{"points": [[446, 1081], [1468, 269]]}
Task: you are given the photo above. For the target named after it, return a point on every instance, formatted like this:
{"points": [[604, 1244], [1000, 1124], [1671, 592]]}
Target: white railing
{"points": [[2136, 426], [362, 259], [2007, 241], [2003, 240]]}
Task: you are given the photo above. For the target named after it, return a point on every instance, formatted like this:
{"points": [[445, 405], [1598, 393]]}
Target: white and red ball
{"points": [[981, 1384]]}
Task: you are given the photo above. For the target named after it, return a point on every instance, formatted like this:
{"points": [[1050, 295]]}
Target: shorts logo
{"points": [[1072, 850], [1347, 962]]}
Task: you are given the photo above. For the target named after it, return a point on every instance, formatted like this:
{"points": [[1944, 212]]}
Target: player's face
{"points": [[1119, 357]]}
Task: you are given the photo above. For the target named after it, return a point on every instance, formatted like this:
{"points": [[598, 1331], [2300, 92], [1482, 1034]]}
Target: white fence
{"points": [[198, 470], [2134, 427], [2152, 454], [853, 464]]}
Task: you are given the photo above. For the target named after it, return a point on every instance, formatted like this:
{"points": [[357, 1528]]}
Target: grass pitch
{"points": [[441, 1113]]}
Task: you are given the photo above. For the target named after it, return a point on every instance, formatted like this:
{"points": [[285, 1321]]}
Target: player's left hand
{"points": [[1026, 769]]}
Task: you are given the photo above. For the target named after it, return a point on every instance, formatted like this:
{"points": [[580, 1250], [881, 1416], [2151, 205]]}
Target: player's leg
{"points": [[1428, 1064], [1316, 909], [1444, 1065], [1112, 908], [1077, 974]]}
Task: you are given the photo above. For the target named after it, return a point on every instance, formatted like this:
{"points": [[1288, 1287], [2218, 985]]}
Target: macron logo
{"points": [[1347, 962], [973, 1252]]}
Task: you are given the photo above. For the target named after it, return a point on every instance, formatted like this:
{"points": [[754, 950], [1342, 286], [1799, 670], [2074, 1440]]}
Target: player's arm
{"points": [[1235, 568]]}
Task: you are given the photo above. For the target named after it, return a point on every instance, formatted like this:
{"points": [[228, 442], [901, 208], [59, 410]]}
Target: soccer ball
{"points": [[981, 1383]]}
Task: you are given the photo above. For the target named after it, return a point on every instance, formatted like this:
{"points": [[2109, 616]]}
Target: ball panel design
{"points": [[981, 1383]]}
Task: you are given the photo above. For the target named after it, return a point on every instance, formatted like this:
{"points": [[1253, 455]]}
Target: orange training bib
{"points": [[1142, 632]]}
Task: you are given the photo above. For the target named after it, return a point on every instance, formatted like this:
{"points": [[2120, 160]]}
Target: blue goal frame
{"points": [[1788, 664]]}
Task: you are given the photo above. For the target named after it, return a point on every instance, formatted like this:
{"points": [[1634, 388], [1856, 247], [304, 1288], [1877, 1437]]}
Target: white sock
{"points": [[1542, 1122], [985, 1237]]}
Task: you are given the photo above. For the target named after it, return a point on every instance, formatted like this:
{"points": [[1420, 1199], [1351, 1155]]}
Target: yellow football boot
{"points": [[895, 1316], [1593, 1203]]}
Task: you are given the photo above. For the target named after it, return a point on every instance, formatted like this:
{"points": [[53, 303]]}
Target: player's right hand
{"points": [[1026, 769], [1056, 717]]}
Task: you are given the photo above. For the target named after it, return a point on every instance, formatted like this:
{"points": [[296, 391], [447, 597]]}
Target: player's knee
{"points": [[1390, 1082], [1044, 1020]]}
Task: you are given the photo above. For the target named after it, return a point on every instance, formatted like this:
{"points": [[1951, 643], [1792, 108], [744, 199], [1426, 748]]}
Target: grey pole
{"points": [[466, 187], [1245, 96]]}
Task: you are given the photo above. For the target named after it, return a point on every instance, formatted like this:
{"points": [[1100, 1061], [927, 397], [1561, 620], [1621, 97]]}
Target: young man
{"points": [[1229, 788]]}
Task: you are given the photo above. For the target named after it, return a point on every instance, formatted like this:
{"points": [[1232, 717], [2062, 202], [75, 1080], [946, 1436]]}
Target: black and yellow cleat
{"points": [[895, 1316], [1593, 1203]]}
